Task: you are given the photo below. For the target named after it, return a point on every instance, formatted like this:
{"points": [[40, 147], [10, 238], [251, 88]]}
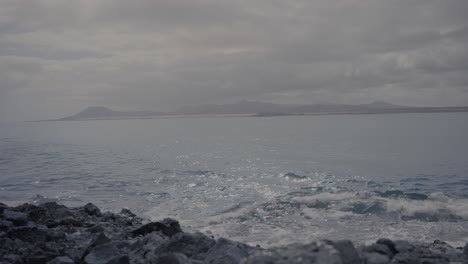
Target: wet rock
{"points": [[28, 234], [66, 221], [36, 260], [61, 260], [127, 212], [78, 235], [376, 258], [37, 214], [124, 221], [348, 252], [173, 258], [418, 258], [92, 209], [3, 207], [103, 253], [108, 217], [12, 258], [55, 235], [144, 247], [7, 245], [57, 211], [193, 246], [100, 239], [18, 218], [402, 246], [316, 252], [441, 247], [380, 249], [168, 227], [387, 242], [226, 251], [5, 225], [122, 259], [96, 229]]}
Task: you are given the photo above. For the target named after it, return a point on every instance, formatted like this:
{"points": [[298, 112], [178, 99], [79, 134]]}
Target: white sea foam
{"points": [[437, 207], [304, 219]]}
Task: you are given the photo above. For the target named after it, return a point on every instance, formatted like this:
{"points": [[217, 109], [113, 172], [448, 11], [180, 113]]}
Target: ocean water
{"points": [[261, 180]]}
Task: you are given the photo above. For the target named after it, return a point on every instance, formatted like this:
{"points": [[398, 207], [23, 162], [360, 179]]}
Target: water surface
{"points": [[266, 181]]}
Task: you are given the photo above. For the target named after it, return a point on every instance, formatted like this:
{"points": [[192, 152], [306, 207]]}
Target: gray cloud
{"points": [[57, 57]]}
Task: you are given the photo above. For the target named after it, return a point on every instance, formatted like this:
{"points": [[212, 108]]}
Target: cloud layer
{"points": [[57, 57]]}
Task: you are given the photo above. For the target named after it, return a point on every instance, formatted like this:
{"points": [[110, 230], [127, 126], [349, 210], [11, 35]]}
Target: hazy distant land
{"points": [[257, 109]]}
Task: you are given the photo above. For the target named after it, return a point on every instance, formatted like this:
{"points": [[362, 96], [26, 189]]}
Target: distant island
{"points": [[102, 113], [257, 109]]}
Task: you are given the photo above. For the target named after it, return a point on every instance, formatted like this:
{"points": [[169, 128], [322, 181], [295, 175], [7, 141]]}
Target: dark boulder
{"points": [[173, 258], [348, 252], [92, 209], [380, 249], [316, 252], [389, 243], [375, 258], [402, 246], [109, 217], [55, 235], [112, 252], [419, 258], [194, 246], [58, 211], [18, 218], [37, 259], [100, 239], [3, 207], [441, 247], [28, 234], [37, 214], [168, 227], [5, 225], [12, 258], [61, 260], [127, 212], [7, 245], [66, 221], [121, 259], [226, 251], [96, 229]]}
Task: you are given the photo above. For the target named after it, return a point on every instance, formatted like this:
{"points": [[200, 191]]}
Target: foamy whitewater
{"points": [[267, 181]]}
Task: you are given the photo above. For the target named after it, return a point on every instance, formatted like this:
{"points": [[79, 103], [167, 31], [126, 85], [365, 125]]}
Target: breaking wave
{"points": [[405, 206]]}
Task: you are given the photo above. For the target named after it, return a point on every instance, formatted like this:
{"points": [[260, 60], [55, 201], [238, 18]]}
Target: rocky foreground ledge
{"points": [[53, 233]]}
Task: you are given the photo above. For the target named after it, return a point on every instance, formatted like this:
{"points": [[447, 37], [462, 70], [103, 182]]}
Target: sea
{"points": [[266, 181]]}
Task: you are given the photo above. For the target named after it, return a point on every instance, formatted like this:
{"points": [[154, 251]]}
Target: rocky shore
{"points": [[54, 233]]}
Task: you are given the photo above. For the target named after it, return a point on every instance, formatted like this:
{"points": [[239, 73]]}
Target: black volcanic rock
{"points": [[92, 209], [167, 227], [56, 234], [347, 251], [18, 218]]}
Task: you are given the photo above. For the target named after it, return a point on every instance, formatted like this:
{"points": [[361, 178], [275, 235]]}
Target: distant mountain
{"points": [[253, 108], [381, 104], [99, 112], [242, 107]]}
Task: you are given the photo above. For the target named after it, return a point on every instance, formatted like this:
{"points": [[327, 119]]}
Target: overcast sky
{"points": [[58, 57]]}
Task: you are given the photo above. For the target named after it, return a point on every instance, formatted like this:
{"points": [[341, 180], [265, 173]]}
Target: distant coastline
{"points": [[256, 109]]}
